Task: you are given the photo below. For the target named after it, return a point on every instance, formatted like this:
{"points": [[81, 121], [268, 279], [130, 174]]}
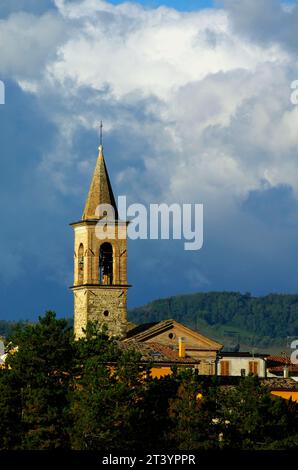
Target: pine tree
{"points": [[106, 399], [256, 419], [191, 412], [40, 362], [10, 411]]}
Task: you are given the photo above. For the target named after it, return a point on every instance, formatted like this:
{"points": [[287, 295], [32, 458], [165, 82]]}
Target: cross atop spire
{"points": [[100, 127]]}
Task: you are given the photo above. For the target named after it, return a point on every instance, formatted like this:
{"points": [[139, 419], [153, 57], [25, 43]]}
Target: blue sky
{"points": [[196, 109]]}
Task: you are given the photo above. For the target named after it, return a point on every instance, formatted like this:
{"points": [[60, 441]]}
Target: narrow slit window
{"points": [[81, 264]]}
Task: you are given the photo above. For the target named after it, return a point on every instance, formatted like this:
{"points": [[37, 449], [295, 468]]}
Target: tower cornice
{"points": [[100, 286], [98, 221]]}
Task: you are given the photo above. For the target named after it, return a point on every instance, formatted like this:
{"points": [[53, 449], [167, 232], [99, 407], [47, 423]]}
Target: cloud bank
{"points": [[196, 107]]}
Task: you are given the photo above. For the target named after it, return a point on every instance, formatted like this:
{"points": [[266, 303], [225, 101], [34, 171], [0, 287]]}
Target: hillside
{"points": [[7, 327], [255, 322], [261, 323]]}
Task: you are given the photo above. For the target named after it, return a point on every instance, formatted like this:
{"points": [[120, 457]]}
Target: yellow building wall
{"points": [[286, 395], [158, 372]]}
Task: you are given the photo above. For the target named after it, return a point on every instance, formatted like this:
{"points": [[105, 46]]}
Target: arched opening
{"points": [[81, 264], [106, 264]]}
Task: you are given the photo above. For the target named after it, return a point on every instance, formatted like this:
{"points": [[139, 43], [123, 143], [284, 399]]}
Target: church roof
{"points": [[100, 191], [138, 329], [157, 353], [151, 332]]}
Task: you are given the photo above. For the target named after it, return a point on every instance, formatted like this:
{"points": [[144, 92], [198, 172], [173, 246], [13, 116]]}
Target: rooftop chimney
{"points": [[181, 347]]}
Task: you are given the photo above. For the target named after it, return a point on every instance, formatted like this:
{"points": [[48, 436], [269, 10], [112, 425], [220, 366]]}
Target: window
{"points": [[243, 372], [106, 264], [81, 264], [224, 367], [253, 367]]}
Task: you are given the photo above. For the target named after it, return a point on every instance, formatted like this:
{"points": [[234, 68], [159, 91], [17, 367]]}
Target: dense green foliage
{"points": [[39, 372], [105, 396], [255, 321], [90, 394], [245, 417]]}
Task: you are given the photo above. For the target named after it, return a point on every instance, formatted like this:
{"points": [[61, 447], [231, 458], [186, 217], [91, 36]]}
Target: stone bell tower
{"points": [[100, 256]]}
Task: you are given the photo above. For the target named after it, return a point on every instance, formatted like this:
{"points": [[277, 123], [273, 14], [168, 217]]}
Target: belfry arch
{"points": [[106, 264]]}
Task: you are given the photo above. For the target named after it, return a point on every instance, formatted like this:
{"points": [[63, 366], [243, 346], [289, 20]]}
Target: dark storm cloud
{"points": [[34, 222]]}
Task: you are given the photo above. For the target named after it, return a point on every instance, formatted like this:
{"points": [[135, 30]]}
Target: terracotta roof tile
{"points": [[157, 353], [280, 383], [291, 368], [279, 359]]}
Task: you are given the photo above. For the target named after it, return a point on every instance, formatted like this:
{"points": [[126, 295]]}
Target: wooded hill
{"points": [[267, 323]]}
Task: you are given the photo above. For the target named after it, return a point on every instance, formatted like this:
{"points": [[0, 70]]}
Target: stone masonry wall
{"points": [[105, 304]]}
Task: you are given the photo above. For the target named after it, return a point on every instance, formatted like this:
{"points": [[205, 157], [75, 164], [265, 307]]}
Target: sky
{"points": [[195, 99]]}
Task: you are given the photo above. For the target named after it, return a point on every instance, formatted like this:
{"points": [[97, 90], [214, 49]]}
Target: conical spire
{"points": [[100, 191]]}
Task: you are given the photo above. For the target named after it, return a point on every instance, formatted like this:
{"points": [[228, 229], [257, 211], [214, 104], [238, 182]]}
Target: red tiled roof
{"points": [[157, 352], [280, 383], [169, 352], [279, 359], [291, 368]]}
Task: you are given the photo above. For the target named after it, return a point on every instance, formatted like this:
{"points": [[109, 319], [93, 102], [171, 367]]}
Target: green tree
{"points": [[10, 411], [191, 413], [106, 402], [93, 394], [40, 360], [155, 423], [246, 417], [255, 419]]}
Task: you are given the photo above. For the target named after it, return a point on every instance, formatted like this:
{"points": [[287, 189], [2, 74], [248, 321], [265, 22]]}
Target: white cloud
{"points": [[207, 110], [150, 51], [28, 43], [265, 21]]}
